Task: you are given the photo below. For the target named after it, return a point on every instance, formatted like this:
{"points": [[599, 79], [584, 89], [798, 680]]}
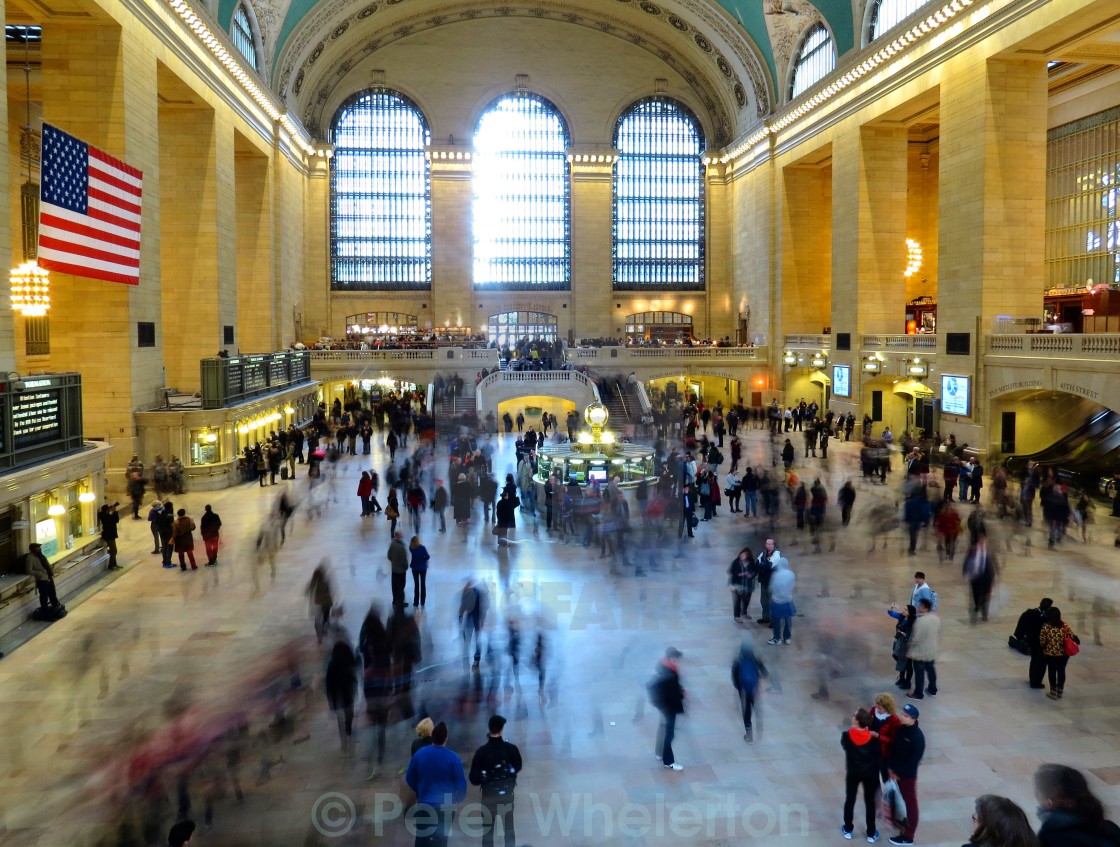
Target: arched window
{"points": [[522, 202], [887, 14], [658, 198], [381, 210], [814, 61], [242, 33]]}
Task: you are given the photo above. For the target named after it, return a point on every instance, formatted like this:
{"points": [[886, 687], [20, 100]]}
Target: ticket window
{"points": [[206, 447], [59, 520]]}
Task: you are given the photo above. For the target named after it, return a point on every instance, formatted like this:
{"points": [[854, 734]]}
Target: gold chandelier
{"points": [[30, 290]]}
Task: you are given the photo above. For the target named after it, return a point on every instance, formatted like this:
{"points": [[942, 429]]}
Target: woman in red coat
{"points": [[365, 491], [884, 722]]}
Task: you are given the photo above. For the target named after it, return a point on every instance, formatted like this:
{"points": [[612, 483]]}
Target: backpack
{"points": [[717, 458], [932, 600]]}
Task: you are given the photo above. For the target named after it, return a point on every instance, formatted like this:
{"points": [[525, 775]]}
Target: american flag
{"points": [[89, 211]]}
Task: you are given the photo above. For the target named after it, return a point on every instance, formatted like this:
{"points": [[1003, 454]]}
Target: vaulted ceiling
{"points": [[732, 53]]}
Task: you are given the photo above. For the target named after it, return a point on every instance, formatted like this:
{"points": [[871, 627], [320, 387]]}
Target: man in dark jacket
{"points": [[209, 526], [36, 564], [667, 696], [907, 749], [495, 767], [109, 519], [764, 567], [1027, 632], [861, 754], [165, 524]]}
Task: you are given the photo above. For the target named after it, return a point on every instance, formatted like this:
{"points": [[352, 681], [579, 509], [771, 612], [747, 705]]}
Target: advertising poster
{"points": [[955, 398], [841, 381]]}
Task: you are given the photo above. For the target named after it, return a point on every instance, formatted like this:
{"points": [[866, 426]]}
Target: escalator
{"points": [[1086, 458]]}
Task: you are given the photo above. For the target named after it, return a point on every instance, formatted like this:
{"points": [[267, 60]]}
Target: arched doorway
{"points": [[508, 328], [658, 326]]}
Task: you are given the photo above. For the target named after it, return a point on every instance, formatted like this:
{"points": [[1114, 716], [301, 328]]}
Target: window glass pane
{"points": [[510, 328], [522, 206], [659, 198], [815, 61], [242, 34], [887, 14], [381, 214]]}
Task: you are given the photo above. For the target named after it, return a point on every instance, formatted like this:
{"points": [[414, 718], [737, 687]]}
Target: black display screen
{"points": [[36, 418]]}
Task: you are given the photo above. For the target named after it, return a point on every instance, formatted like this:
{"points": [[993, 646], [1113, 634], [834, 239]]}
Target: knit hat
{"points": [[424, 728]]}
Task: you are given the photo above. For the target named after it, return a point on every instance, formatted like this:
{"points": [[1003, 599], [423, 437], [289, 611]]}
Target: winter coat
{"points": [[665, 690], [861, 752], [341, 680], [924, 637], [506, 511], [183, 533], [1065, 829]]}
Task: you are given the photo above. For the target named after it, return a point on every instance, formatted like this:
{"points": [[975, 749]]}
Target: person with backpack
{"points": [[494, 768], [746, 671], [667, 696], [922, 591]]}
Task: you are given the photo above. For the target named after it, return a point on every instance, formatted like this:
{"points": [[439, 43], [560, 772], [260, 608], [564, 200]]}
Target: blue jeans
{"points": [[665, 734], [920, 671], [781, 618], [750, 503]]}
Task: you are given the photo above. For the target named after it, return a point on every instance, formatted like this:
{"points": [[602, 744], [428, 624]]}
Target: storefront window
{"points": [[65, 529], [206, 447]]}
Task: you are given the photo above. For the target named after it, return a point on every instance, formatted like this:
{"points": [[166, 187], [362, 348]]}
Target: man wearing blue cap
{"points": [[907, 749]]}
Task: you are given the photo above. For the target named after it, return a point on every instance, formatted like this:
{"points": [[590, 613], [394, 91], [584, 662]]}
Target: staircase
{"points": [[461, 405], [624, 412]]}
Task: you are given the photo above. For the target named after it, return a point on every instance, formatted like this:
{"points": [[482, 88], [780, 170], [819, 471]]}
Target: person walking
{"points": [[741, 576], [980, 569], [473, 606], [398, 565], [506, 513], [861, 761], [668, 697], [907, 749], [153, 525], [1055, 637], [440, 500], [751, 485], [109, 520], [209, 527], [1071, 814], [494, 768], [419, 566], [922, 650], [1027, 633], [183, 540], [846, 498], [392, 511], [746, 671], [341, 683], [321, 593], [37, 566], [782, 583], [437, 777]]}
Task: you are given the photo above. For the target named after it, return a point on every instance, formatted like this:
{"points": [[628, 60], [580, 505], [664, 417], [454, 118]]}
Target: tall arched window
{"points": [[887, 14], [522, 202], [815, 60], [658, 198], [381, 210], [242, 33]]}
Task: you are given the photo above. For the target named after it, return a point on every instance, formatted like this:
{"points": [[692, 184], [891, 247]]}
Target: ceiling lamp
{"points": [[30, 290], [913, 257], [56, 510], [87, 497]]}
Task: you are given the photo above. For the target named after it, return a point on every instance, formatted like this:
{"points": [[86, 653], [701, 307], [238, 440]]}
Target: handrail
{"points": [[429, 398], [643, 398]]}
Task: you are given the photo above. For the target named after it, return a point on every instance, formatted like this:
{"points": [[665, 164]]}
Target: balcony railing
{"points": [[529, 377], [605, 357], [902, 343], [808, 342], [1094, 346], [481, 356], [615, 356]]}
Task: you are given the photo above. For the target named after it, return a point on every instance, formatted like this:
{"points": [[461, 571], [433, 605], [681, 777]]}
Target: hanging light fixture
{"points": [[30, 284], [913, 257]]}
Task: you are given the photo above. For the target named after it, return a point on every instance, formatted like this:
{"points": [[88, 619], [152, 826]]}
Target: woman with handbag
{"points": [[392, 511], [904, 621], [1058, 643], [733, 490]]}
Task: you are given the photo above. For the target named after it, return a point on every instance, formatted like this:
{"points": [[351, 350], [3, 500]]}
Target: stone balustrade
{"points": [[1090, 347], [900, 343], [808, 342]]}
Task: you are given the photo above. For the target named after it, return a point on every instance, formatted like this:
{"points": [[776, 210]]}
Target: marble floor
{"points": [[107, 709]]}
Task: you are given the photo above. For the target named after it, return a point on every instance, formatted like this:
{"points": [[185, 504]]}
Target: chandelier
{"points": [[30, 290]]}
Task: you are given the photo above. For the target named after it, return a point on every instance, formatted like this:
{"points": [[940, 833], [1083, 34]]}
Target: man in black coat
{"points": [[667, 696], [109, 519], [495, 767], [165, 525], [907, 749], [1027, 631]]}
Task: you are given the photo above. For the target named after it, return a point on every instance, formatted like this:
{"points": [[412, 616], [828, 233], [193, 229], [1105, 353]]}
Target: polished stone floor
{"points": [[108, 708]]}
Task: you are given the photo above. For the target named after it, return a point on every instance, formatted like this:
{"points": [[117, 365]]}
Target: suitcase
{"points": [[284, 472]]}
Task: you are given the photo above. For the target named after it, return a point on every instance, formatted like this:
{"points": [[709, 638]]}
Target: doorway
{"points": [[1007, 432]]}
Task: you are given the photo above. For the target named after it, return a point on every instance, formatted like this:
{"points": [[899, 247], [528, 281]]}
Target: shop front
{"points": [[209, 442]]}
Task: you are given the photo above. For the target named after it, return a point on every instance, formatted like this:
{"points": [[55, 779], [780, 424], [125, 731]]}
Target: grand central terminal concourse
{"points": [[560, 423]]}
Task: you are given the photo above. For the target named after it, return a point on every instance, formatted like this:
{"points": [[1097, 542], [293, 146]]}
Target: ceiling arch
{"points": [[730, 75]]}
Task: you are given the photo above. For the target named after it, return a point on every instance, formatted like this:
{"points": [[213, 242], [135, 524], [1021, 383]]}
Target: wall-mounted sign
{"points": [[956, 394], [841, 381]]}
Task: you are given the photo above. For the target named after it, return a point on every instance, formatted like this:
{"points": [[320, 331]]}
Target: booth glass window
{"points": [[815, 60], [381, 195], [1083, 202], [206, 447], [522, 202], [60, 533], [658, 191]]}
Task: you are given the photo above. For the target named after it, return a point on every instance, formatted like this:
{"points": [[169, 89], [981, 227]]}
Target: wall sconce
{"points": [[917, 368], [790, 358], [819, 360], [289, 410], [56, 510], [87, 497], [871, 366]]}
